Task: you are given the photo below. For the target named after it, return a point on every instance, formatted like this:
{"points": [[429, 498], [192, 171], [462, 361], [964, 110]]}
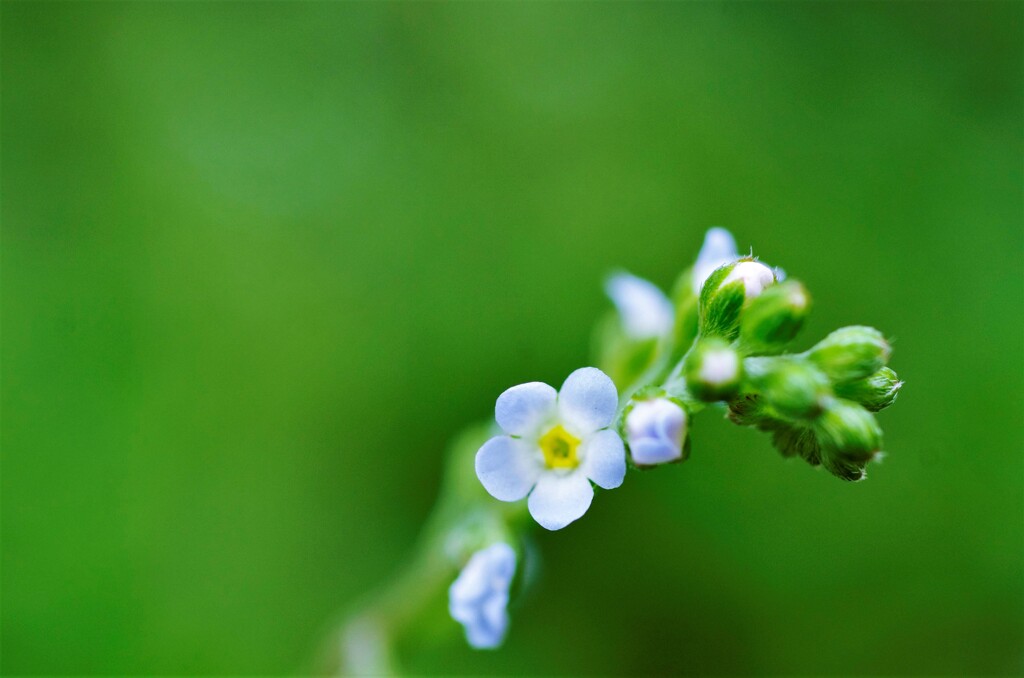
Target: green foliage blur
{"points": [[261, 262]]}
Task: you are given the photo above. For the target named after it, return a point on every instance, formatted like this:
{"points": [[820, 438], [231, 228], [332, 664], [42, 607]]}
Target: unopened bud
{"points": [[725, 292], [797, 441], [754, 275], [851, 353], [773, 319], [848, 431], [874, 393], [656, 431], [794, 388], [713, 370]]}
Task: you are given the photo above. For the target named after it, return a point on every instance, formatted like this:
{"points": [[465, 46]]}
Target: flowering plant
{"points": [[719, 340]]}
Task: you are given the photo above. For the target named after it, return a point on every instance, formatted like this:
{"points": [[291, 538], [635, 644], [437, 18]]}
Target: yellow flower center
{"points": [[559, 448]]}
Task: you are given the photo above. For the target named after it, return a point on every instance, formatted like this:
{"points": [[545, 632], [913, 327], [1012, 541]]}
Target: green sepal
{"points": [[848, 431], [792, 387], [797, 441], [850, 353], [875, 393], [720, 305], [773, 319], [749, 409], [844, 469]]}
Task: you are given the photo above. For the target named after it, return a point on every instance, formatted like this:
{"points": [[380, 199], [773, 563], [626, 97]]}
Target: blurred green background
{"points": [[262, 261]]}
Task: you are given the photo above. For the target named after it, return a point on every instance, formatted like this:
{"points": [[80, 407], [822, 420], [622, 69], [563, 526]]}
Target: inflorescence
{"points": [[720, 338]]}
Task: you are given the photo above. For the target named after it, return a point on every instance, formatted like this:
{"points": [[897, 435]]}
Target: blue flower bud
{"points": [[851, 353], [478, 598], [713, 370]]}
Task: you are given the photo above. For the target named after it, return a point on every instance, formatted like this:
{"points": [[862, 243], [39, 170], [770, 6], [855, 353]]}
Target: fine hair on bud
{"points": [[844, 469], [724, 293], [851, 353], [874, 393]]}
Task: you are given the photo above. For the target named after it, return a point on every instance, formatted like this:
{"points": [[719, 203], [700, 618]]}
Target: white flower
{"points": [[645, 310], [557, 443], [719, 249], [755, 276], [655, 430], [478, 598]]}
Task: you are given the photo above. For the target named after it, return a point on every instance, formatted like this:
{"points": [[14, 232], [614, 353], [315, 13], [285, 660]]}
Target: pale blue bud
{"points": [[478, 598], [655, 431]]}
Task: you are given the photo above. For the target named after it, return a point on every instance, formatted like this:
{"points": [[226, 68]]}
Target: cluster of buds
{"points": [[720, 337], [817, 405]]}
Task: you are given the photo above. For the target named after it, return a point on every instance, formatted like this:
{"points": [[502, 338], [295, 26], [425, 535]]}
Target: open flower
{"points": [[645, 310], [478, 598], [557, 443], [655, 430]]}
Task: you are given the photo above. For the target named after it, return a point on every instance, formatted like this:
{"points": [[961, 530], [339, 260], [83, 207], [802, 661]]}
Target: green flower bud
{"points": [[794, 388], [851, 353], [724, 293], [713, 370], [848, 432], [749, 409], [875, 393], [773, 319], [797, 441], [844, 469]]}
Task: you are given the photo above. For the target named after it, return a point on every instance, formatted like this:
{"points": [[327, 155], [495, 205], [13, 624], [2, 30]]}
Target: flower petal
{"points": [[559, 500], [651, 451], [604, 459], [644, 309], [588, 400], [719, 248], [488, 634], [507, 468], [522, 409]]}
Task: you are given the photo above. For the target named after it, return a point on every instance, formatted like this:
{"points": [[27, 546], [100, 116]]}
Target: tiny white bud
{"points": [[655, 430], [719, 367], [713, 370], [755, 276]]}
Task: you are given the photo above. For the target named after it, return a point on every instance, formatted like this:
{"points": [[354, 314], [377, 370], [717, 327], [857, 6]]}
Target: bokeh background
{"points": [[262, 261]]}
